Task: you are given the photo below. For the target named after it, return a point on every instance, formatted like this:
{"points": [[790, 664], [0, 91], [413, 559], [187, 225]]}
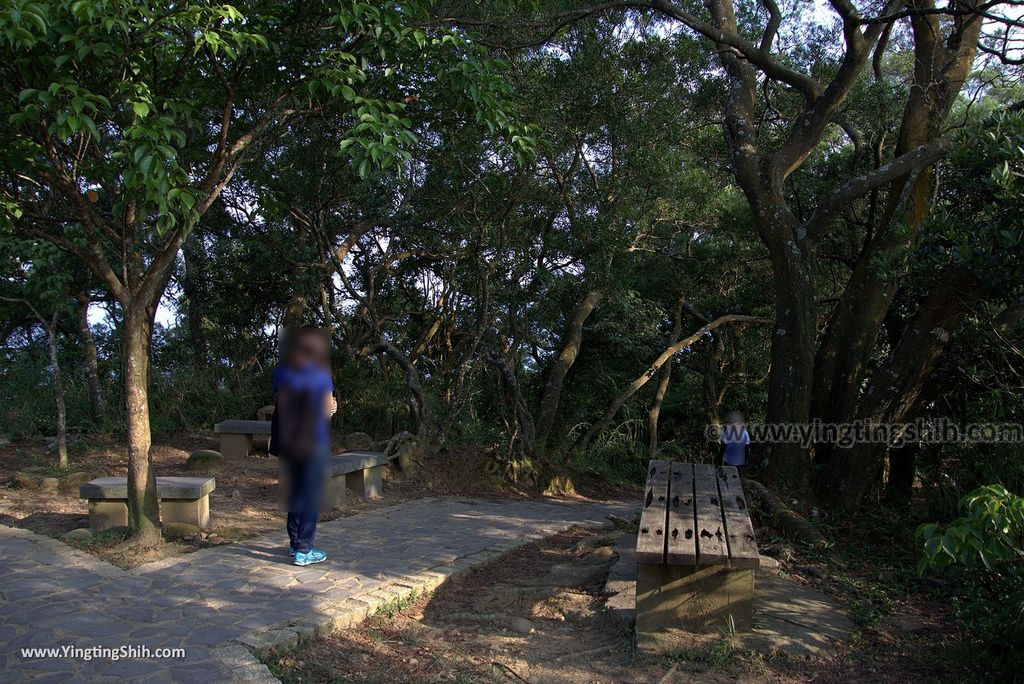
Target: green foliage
{"points": [[132, 79], [87, 73], [990, 533], [977, 216], [983, 551], [186, 398]]}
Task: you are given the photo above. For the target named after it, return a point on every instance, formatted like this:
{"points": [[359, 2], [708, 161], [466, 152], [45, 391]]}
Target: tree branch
{"points": [[644, 377], [856, 187]]}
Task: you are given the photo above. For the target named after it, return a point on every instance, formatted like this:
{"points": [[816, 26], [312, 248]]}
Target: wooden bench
{"points": [[236, 436], [696, 554], [182, 500], [352, 474]]}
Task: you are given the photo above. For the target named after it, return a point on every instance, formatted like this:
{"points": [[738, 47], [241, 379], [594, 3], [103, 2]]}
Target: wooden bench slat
{"points": [[738, 530], [710, 532], [650, 543], [681, 526]]}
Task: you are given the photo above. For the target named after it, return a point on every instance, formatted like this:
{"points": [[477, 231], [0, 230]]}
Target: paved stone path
{"points": [[221, 603]]}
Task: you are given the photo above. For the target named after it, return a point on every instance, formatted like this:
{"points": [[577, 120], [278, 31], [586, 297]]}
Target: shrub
{"points": [[983, 550]]}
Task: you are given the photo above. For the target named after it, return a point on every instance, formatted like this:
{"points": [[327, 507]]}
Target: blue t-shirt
{"points": [[317, 382], [735, 439]]}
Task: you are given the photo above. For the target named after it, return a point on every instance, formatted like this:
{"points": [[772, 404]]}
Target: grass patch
{"points": [[716, 653], [389, 610], [101, 540]]}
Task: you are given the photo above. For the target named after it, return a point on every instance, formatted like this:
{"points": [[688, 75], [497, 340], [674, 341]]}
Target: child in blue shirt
{"points": [[734, 440], [300, 434]]}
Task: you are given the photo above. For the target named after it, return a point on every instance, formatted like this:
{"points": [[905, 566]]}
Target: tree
{"points": [[650, 371], [41, 281], [112, 157], [789, 92], [96, 404]]}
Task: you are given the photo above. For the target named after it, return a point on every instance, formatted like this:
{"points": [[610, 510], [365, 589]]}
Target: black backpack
{"points": [[294, 425]]}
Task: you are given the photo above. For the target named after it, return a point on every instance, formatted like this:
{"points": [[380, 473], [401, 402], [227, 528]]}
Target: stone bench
{"points": [[236, 436], [182, 500], [352, 474], [696, 554]]}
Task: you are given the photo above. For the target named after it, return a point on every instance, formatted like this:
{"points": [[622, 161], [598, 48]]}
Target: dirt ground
{"points": [[537, 615], [244, 503], [533, 615]]}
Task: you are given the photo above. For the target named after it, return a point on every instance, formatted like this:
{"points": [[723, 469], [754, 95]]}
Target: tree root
{"points": [[791, 523], [140, 542]]}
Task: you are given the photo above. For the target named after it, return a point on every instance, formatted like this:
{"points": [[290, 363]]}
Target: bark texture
{"points": [[571, 342], [143, 509], [58, 393], [92, 370], [664, 378]]}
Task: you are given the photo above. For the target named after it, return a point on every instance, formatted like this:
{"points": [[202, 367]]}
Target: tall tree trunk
{"points": [[710, 380], [295, 311], [514, 395], [50, 330], [654, 410], [325, 310], [940, 70], [91, 359], [465, 358], [58, 393], [897, 385], [787, 466], [143, 509], [419, 409], [900, 486], [571, 342], [711, 370], [664, 378]]}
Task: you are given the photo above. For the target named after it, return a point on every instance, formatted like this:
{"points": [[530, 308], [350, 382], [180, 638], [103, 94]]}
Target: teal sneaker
{"points": [[310, 557]]}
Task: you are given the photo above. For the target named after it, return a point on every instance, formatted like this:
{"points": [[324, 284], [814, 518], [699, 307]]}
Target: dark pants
{"points": [[307, 478]]}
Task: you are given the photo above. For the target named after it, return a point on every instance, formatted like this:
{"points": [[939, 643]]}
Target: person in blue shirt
{"points": [[734, 440], [300, 433]]}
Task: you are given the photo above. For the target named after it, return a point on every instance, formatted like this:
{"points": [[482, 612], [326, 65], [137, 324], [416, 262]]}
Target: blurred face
{"points": [[735, 418], [311, 348]]}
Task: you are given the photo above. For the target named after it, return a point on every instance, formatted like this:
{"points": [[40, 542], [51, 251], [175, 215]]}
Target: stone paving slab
{"points": [[220, 604]]}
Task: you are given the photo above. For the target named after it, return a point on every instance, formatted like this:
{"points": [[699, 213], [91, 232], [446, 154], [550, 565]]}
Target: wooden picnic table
{"points": [[696, 553]]}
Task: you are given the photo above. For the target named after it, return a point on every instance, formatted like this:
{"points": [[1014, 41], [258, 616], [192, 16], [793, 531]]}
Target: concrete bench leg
{"points": [[235, 446], [366, 483], [107, 513], [191, 511], [333, 494], [695, 599]]}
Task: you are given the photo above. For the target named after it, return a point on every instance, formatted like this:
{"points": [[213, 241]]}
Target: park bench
{"points": [[236, 436], [696, 555], [352, 474], [182, 500]]}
